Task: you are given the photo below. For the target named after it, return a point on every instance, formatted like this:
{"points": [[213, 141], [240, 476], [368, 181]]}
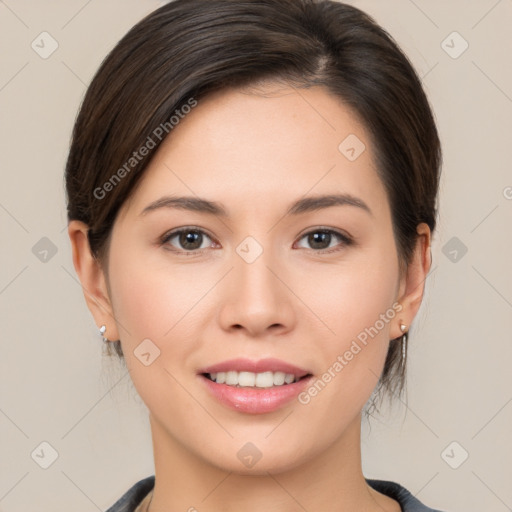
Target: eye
{"points": [[187, 240], [321, 239], [190, 240]]}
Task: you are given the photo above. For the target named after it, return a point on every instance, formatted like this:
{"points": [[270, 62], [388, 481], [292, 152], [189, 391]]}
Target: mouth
{"points": [[265, 373], [254, 380], [254, 387]]}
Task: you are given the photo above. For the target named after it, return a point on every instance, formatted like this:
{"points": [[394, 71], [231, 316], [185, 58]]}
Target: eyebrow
{"points": [[304, 205]]}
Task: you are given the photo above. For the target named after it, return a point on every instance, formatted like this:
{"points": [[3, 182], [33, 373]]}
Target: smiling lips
{"points": [[263, 373], [254, 386], [251, 379]]}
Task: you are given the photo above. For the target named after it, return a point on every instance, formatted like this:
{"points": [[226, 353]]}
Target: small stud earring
{"points": [[102, 329], [403, 327]]}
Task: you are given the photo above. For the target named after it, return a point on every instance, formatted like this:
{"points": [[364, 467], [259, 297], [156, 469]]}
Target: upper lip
{"points": [[263, 365]]}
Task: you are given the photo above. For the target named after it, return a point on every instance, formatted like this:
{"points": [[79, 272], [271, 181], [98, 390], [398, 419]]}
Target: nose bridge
{"points": [[257, 299], [256, 282]]}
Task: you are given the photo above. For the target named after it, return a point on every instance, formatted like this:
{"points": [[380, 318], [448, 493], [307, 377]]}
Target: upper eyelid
{"points": [[336, 231]]}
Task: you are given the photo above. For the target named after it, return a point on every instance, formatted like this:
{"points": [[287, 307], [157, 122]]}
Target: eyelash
{"points": [[345, 240]]}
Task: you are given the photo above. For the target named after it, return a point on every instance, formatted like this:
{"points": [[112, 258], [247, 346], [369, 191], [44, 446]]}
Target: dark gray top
{"points": [[132, 498]]}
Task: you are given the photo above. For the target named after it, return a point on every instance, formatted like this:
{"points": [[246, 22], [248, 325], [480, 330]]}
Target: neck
{"points": [[331, 481]]}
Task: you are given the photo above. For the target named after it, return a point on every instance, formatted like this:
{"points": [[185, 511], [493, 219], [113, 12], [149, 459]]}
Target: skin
{"points": [[256, 152]]}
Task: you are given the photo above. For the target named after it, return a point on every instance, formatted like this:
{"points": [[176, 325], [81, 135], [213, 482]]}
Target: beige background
{"points": [[56, 386]]}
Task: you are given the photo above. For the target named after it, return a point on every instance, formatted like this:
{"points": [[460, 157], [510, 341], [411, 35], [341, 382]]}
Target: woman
{"points": [[252, 191]]}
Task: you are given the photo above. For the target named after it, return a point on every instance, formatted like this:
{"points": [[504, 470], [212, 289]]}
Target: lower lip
{"points": [[255, 400]]}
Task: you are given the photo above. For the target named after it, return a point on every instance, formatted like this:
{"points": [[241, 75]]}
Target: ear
{"points": [[92, 278], [412, 283]]}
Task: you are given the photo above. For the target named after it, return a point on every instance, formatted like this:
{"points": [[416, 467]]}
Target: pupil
{"points": [[190, 238], [320, 238]]}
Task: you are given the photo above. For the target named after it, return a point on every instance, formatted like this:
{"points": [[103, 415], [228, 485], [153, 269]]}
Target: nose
{"points": [[256, 298]]}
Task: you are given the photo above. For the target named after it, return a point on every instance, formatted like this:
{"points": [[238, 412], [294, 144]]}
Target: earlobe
{"points": [[413, 283], [92, 278]]}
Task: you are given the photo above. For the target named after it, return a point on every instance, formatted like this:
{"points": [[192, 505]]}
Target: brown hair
{"points": [[187, 49]]}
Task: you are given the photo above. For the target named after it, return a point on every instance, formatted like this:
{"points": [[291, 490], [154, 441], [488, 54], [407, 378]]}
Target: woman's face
{"points": [[270, 270]]}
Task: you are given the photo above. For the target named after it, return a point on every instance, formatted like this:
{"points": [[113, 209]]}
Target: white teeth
{"points": [[250, 379], [232, 378], [279, 378], [246, 379], [264, 380]]}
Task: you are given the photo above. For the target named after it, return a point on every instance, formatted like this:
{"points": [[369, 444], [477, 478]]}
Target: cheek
{"points": [[153, 299], [360, 308], [354, 296], [141, 305]]}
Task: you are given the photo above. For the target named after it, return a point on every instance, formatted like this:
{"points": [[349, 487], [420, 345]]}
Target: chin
{"points": [[257, 459]]}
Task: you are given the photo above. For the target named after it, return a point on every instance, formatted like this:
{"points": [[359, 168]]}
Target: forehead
{"points": [[269, 143]]}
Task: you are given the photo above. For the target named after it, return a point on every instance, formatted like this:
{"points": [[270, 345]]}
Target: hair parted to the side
{"points": [[187, 49]]}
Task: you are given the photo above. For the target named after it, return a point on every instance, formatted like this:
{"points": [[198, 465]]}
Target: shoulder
{"points": [[407, 501], [132, 498]]}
